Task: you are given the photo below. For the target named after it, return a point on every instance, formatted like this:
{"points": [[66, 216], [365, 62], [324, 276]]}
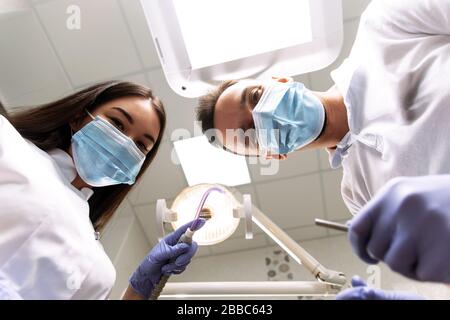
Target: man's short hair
{"points": [[207, 105]]}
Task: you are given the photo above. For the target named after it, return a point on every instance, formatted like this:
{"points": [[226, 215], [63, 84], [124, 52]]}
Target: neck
{"points": [[78, 182], [336, 126]]}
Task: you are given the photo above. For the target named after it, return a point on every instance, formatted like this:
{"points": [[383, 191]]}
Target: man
{"points": [[386, 116]]}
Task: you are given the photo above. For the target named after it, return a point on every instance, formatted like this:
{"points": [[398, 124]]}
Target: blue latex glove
{"points": [[407, 226], [167, 257], [361, 291]]}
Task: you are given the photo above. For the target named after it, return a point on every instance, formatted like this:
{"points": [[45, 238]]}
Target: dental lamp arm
{"points": [[296, 251]]}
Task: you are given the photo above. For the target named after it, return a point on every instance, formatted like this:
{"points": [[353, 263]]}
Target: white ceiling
{"points": [[40, 60]]}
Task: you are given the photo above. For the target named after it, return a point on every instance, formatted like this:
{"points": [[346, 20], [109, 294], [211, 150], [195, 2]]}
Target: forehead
{"points": [[240, 86], [140, 109], [231, 97], [131, 104]]}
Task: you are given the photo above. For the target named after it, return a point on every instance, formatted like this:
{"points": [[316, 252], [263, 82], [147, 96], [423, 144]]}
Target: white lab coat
{"points": [[396, 88], [47, 242]]}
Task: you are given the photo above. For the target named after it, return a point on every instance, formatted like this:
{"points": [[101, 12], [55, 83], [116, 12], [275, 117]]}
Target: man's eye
{"points": [[256, 95]]}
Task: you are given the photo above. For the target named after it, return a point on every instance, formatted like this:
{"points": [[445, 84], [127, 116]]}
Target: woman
{"points": [[65, 167]]}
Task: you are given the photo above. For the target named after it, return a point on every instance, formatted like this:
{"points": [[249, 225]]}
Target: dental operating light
{"points": [[223, 213], [203, 42]]}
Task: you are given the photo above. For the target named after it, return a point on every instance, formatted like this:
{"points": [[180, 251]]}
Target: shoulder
{"points": [[4, 123], [9, 136]]}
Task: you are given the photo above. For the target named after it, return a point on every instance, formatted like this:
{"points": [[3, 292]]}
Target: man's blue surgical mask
{"points": [[104, 156], [287, 117]]}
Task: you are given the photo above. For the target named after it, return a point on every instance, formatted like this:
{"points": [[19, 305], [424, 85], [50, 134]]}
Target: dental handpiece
{"points": [[185, 238]]}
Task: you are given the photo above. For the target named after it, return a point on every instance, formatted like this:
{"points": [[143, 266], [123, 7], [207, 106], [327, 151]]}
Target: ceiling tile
{"points": [[162, 180], [321, 80], [306, 233], [117, 229], [303, 78], [324, 160], [146, 215], [30, 73], [138, 24], [238, 244], [180, 111], [102, 49], [292, 202], [138, 78], [354, 8], [335, 207], [297, 163], [134, 248]]}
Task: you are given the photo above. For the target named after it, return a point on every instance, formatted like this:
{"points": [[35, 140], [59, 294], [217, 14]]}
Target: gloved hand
{"points": [[6, 292], [167, 257], [361, 291], [407, 225]]}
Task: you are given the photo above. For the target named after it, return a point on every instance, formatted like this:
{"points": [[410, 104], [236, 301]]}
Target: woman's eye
{"points": [[118, 124], [142, 147]]}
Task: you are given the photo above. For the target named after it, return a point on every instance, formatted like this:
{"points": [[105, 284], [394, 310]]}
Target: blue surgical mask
{"points": [[287, 117], [104, 156]]}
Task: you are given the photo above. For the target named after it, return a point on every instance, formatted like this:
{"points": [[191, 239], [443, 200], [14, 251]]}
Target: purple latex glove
{"points": [[6, 292], [167, 257], [361, 291], [407, 226]]}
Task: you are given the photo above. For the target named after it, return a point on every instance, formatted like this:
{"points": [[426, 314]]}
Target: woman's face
{"points": [[135, 117]]}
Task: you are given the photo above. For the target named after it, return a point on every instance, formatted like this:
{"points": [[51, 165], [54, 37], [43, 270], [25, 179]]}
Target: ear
{"points": [[77, 123], [283, 79]]}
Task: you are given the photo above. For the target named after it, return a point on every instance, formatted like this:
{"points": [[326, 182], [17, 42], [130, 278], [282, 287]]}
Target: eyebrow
{"points": [[149, 137], [126, 114]]}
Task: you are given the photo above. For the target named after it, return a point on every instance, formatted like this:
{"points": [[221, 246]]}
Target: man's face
{"points": [[233, 116]]}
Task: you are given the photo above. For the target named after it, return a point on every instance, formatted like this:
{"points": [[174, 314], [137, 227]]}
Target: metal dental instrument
{"points": [[332, 225]]}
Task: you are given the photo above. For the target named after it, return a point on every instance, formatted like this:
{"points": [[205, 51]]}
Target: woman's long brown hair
{"points": [[48, 127]]}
